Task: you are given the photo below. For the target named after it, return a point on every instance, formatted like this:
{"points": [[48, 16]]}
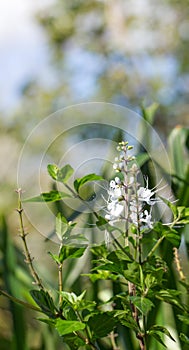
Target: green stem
{"points": [[60, 279], [76, 195], [155, 247], [23, 235], [18, 301], [87, 338], [60, 283]]}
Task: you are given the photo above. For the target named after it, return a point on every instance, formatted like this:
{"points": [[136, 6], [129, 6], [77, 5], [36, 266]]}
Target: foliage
{"points": [[131, 260]]}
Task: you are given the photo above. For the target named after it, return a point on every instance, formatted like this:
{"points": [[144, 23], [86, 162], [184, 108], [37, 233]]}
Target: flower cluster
{"points": [[114, 205], [127, 200]]}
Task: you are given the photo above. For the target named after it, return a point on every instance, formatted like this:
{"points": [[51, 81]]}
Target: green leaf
{"points": [[64, 173], [174, 237], [183, 215], [99, 250], [101, 324], [184, 319], [52, 170], [55, 257], [149, 112], [163, 330], [184, 338], [132, 273], [126, 319], [156, 335], [52, 196], [169, 233], [77, 302], [61, 175], [124, 254], [101, 223], [170, 296], [101, 275], [72, 298], [73, 341], [49, 321], [113, 264], [87, 178], [63, 227], [144, 305], [66, 327], [44, 301], [68, 252]]}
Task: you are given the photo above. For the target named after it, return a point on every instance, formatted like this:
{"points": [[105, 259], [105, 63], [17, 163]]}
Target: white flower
{"points": [[114, 207], [144, 195], [115, 192], [117, 180], [139, 217]]}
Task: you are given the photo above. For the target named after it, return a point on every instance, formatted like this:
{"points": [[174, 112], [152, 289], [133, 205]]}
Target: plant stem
{"points": [[87, 338], [178, 264], [60, 283], [155, 247], [23, 234], [112, 338], [60, 279], [141, 342], [18, 301]]}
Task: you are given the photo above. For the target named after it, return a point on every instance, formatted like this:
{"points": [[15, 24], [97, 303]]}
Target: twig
{"points": [[112, 338], [178, 264], [23, 235], [18, 301], [60, 280]]}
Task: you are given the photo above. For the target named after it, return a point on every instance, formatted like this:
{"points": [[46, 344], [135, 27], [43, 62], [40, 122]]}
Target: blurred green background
{"points": [[127, 52]]}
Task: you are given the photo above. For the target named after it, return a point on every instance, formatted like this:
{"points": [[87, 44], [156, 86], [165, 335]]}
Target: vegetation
{"points": [[133, 279]]}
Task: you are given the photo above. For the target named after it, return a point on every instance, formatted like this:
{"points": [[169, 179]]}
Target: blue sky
{"points": [[23, 48]]}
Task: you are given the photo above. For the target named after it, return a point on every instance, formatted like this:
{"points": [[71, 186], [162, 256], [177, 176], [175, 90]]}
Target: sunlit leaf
{"points": [[162, 330], [55, 258], [63, 227], [83, 180], [52, 196], [68, 252], [101, 275], [144, 305], [157, 336], [61, 175], [77, 302], [66, 327], [52, 170], [170, 296], [64, 173]]}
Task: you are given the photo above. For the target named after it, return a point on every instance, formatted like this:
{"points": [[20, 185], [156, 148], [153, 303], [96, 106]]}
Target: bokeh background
{"points": [[55, 53]]}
